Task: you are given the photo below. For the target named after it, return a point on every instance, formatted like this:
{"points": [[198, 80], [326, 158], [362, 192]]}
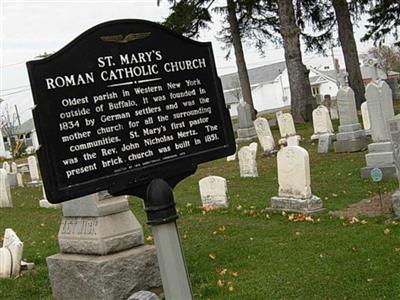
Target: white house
{"points": [[270, 85]]}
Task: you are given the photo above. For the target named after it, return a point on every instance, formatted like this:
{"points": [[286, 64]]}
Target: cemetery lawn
{"points": [[244, 252]]}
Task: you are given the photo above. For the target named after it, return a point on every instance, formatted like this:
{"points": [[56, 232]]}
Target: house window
{"points": [[315, 90]]}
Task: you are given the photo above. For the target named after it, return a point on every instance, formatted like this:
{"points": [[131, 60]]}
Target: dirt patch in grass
{"points": [[368, 207]]}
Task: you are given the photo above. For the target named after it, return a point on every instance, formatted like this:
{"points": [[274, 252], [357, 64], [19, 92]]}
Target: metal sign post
{"points": [[377, 175], [161, 214]]}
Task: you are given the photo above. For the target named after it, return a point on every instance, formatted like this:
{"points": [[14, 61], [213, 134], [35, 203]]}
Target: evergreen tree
{"points": [[384, 20]]}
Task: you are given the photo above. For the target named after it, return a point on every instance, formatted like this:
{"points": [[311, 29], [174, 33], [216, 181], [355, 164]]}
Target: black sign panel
{"points": [[125, 102]]}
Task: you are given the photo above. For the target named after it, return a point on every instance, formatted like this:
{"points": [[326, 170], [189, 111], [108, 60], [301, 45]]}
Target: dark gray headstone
{"points": [[324, 143]]}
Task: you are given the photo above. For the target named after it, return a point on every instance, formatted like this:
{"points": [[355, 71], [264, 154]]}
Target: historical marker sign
{"points": [[125, 102]]}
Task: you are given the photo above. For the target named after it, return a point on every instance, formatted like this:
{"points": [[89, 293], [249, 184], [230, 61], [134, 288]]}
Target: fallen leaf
{"points": [[149, 238], [386, 231], [220, 282], [212, 256], [221, 228], [364, 222], [234, 274]]}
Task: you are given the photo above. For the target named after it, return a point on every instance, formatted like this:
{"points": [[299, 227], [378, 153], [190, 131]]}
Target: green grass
{"points": [[274, 258]]}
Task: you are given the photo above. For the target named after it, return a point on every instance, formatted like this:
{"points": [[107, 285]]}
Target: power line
{"points": [[21, 91], [14, 64], [14, 88]]}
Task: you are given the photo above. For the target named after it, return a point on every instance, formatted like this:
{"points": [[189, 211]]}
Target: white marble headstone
{"points": [[2, 146], [20, 181], [5, 263], [321, 120], [292, 140], [14, 244], [5, 192], [6, 166], [33, 168], [334, 110], [214, 192], [14, 167], [44, 203], [247, 162], [380, 109], [253, 147], [294, 172], [264, 134], [286, 124], [365, 116], [347, 106]]}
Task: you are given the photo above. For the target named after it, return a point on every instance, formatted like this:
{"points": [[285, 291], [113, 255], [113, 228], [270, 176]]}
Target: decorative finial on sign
{"points": [[123, 39]]}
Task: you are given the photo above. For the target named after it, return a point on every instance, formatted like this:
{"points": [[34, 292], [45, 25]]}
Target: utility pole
{"points": [[16, 111]]}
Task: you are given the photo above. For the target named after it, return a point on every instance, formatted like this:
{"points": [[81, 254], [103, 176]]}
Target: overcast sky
{"points": [[29, 28]]}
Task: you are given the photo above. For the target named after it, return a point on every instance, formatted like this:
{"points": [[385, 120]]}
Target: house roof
{"points": [[259, 75], [25, 127]]}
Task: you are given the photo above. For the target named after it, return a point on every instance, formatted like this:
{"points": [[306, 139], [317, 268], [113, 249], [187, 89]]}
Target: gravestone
{"points": [[264, 134], [12, 179], [231, 157], [380, 109], [247, 162], [101, 243], [2, 146], [294, 183], [6, 166], [365, 118], [5, 192], [325, 143], [214, 192], [333, 110], [351, 137], [20, 181], [394, 130], [33, 170], [253, 147], [286, 124], [44, 203], [14, 167], [321, 122], [246, 131], [15, 246], [292, 140], [5, 263]]}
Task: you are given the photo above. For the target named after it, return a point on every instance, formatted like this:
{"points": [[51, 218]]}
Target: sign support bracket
{"points": [[161, 214]]}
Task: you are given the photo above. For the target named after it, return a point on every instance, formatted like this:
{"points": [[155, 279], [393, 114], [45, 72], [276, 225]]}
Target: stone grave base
{"points": [[396, 204], [388, 171], [351, 145], [246, 135], [316, 136], [380, 155], [289, 204], [36, 183], [100, 235], [109, 277]]}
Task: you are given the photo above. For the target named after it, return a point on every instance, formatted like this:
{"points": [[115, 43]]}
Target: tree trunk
{"points": [[240, 61], [300, 88], [349, 48]]}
